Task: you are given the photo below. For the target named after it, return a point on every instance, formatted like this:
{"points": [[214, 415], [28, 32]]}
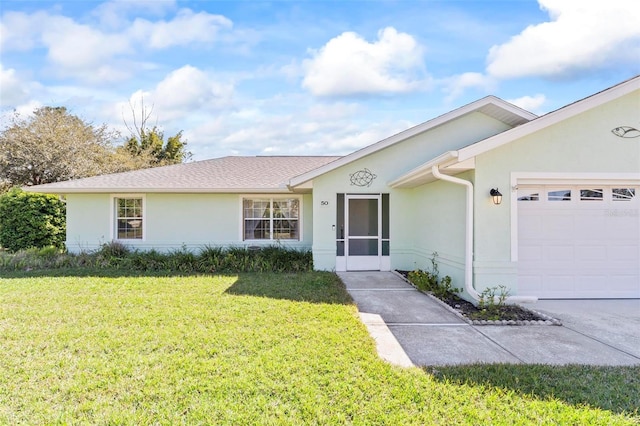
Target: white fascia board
{"points": [[509, 107], [413, 131], [550, 119], [468, 164], [158, 190], [422, 173]]}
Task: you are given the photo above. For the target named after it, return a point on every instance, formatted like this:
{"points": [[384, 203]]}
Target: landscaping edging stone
{"points": [[546, 321]]}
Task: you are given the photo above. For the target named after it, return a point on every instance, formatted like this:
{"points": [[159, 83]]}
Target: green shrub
{"points": [[424, 280], [430, 280], [151, 260], [116, 255], [31, 220], [491, 302], [114, 249], [210, 259]]}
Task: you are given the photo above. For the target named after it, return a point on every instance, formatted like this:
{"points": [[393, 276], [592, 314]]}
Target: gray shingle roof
{"points": [[226, 174]]}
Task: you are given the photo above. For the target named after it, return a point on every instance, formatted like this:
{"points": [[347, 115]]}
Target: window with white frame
{"points": [[129, 218], [271, 218]]}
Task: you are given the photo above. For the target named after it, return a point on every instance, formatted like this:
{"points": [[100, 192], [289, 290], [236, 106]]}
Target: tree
{"points": [[31, 220], [51, 146], [147, 145]]}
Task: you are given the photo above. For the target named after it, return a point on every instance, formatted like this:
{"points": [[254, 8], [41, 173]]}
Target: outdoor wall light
{"points": [[496, 195]]}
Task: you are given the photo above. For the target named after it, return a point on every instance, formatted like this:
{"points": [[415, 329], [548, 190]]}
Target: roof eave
{"points": [[549, 119], [63, 191], [423, 173], [515, 111]]}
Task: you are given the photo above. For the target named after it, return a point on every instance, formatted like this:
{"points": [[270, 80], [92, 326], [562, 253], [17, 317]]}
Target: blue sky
{"points": [[306, 77]]}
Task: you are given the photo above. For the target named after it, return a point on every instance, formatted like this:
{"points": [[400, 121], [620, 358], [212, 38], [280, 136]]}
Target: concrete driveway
{"points": [[614, 322], [412, 328]]}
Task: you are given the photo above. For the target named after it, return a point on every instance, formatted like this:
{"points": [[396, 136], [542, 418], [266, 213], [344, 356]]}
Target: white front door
{"points": [[363, 245]]}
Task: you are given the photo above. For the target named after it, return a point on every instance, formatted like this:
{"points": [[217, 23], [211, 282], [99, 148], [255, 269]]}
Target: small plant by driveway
{"points": [[491, 303]]}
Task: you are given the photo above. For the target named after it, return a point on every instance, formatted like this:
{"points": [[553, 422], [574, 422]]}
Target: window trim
{"points": [[113, 217], [271, 198]]}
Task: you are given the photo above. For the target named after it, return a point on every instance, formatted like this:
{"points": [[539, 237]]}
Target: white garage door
{"points": [[579, 241]]}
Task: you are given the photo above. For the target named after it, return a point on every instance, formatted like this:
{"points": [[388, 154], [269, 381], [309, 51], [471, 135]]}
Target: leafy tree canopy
{"points": [[53, 145], [151, 148], [147, 145]]}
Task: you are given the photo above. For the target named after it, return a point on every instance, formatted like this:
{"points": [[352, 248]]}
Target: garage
{"points": [[579, 241]]}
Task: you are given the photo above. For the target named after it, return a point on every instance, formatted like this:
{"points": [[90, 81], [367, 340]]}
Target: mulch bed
{"points": [[470, 311], [507, 312]]}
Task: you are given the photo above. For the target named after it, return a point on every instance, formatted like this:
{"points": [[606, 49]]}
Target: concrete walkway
{"points": [[412, 328]]}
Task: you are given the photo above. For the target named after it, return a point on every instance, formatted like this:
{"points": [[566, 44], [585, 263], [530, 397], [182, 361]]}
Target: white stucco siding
{"points": [[88, 221], [438, 211], [396, 160], [194, 220], [582, 146], [386, 165], [172, 221]]}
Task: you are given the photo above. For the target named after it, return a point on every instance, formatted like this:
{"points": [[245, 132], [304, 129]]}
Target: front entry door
{"points": [[363, 225]]}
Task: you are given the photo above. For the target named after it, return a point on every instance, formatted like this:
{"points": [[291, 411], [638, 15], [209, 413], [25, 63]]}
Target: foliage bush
{"points": [[209, 259], [430, 280], [31, 220], [492, 301]]}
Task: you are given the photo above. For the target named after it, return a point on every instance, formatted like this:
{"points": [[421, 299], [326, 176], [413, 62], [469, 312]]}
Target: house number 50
{"points": [[324, 203]]}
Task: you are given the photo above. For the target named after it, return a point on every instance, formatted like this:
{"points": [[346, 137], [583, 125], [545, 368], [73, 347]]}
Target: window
{"points": [[528, 195], [129, 218], [271, 218], [591, 194], [623, 194], [559, 195]]}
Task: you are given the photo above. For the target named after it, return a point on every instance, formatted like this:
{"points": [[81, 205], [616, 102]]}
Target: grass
{"points": [[611, 388], [118, 348]]}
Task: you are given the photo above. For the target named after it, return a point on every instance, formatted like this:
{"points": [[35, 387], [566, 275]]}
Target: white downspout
{"points": [[468, 250], [468, 258]]}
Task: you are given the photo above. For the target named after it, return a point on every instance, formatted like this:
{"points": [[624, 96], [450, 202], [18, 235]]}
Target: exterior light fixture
{"points": [[496, 196]]}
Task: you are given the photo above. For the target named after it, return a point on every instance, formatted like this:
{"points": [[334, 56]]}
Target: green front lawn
{"points": [[246, 349]]}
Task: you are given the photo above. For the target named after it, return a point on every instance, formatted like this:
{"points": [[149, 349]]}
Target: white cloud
{"points": [[80, 47], [456, 85], [185, 98], [13, 90], [316, 128], [581, 35], [530, 103], [189, 88], [23, 111], [114, 13], [186, 27], [27, 109], [73, 49], [95, 53], [20, 31], [349, 65]]}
